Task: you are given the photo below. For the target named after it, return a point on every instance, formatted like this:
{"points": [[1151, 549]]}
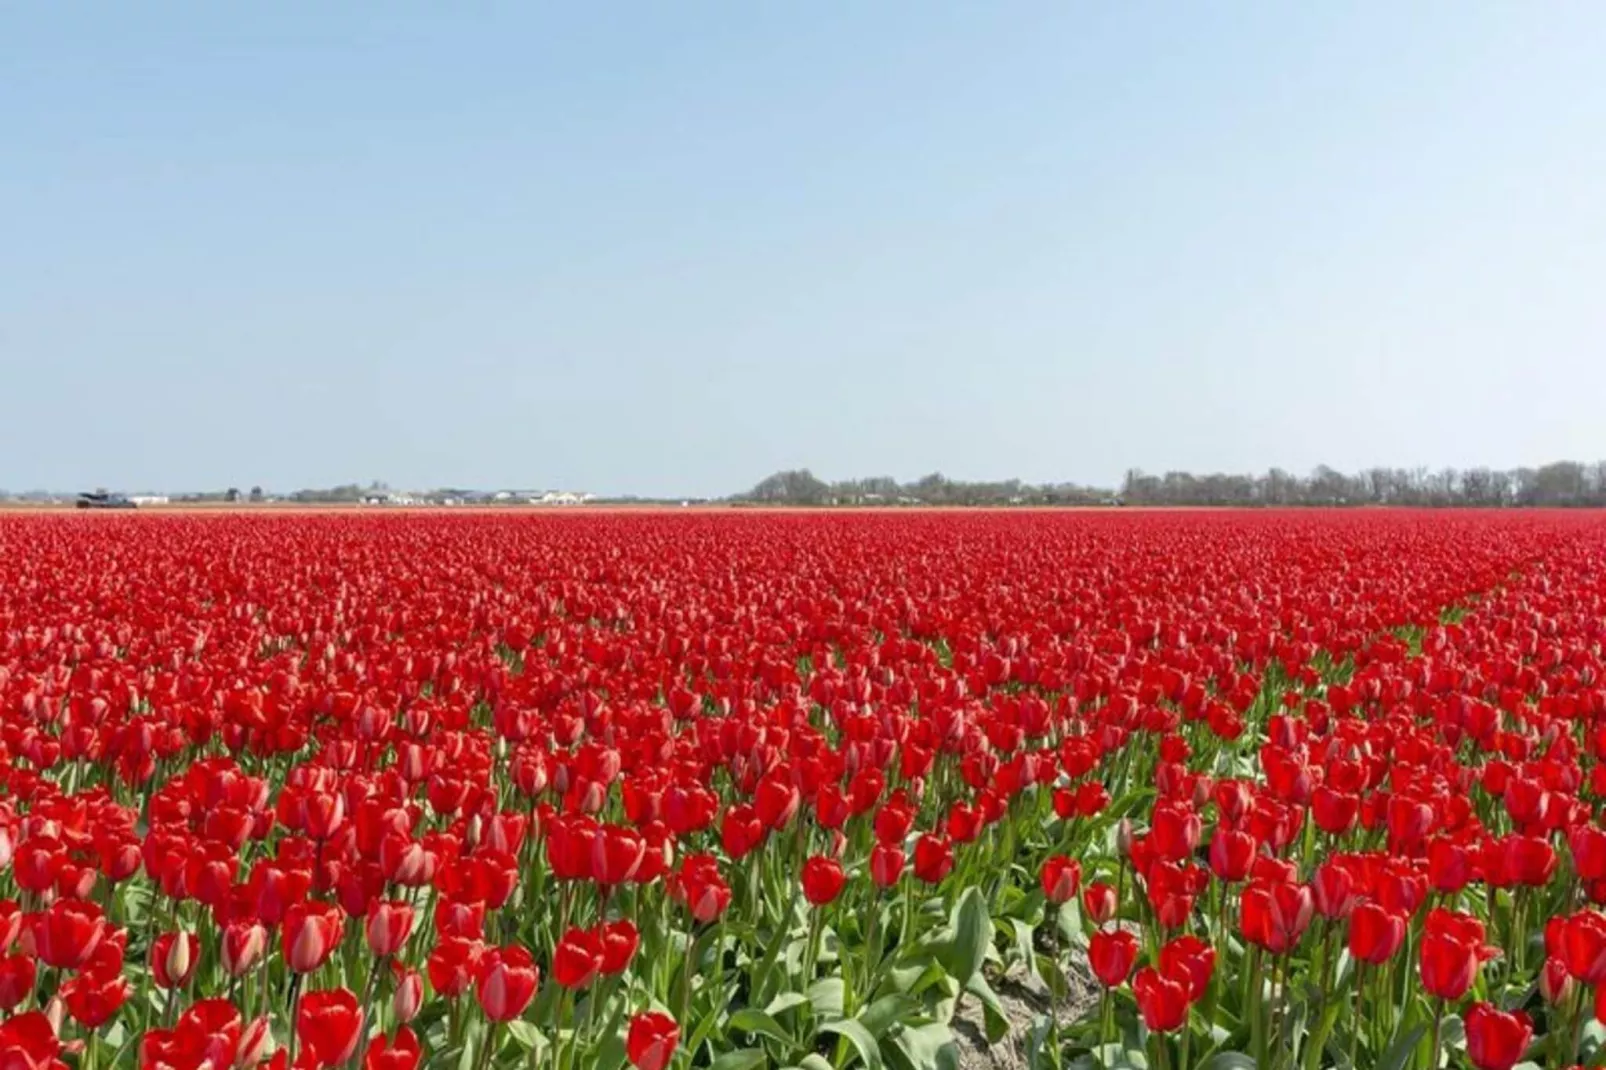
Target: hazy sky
{"points": [[671, 247]]}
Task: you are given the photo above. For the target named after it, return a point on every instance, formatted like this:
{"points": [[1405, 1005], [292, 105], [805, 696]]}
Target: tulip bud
{"points": [[256, 1044], [1123, 838], [1555, 982], [56, 1013], [409, 995], [179, 960], [1098, 902], [243, 944]]}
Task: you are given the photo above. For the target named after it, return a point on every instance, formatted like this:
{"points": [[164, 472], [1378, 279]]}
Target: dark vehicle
{"points": [[101, 500]]}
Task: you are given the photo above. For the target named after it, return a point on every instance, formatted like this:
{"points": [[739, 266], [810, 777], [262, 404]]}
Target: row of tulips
{"points": [[797, 791]]}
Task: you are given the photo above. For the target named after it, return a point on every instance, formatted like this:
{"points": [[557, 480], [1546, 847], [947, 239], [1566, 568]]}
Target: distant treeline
{"points": [[1565, 483], [802, 487]]}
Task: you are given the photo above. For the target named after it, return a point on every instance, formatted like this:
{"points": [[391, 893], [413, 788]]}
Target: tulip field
{"points": [[741, 789]]}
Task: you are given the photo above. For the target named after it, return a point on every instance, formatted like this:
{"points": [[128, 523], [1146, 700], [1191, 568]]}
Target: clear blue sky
{"points": [[671, 247]]}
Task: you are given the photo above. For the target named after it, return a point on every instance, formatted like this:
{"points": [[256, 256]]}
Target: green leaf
{"points": [[742, 1059], [884, 1013], [1024, 949], [860, 1038], [611, 1053], [525, 1034], [1593, 1037], [993, 1016], [785, 1002], [1111, 1057], [1228, 1060], [827, 996], [752, 1020], [1453, 1032], [963, 955], [1400, 1053], [815, 1061], [926, 1047], [1037, 1043]]}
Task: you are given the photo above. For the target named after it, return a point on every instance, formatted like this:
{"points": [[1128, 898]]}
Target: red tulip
{"points": [[1232, 852], [1335, 812], [1452, 949], [1060, 878], [94, 997], [577, 959], [1175, 831], [617, 853], [408, 995], [310, 934], [456, 918], [1375, 933], [619, 942], [1275, 916], [1162, 1001], [173, 958], [452, 964], [652, 1040], [1587, 843], [775, 802], [1496, 1040], [1333, 890], [1528, 860], [822, 880], [399, 1053], [1583, 946], [17, 976], [327, 1024], [388, 927], [1555, 983], [1450, 866], [893, 822], [242, 945], [29, 1042], [1189, 961], [1112, 955], [67, 934], [506, 982], [933, 859], [1098, 902], [741, 831], [886, 865]]}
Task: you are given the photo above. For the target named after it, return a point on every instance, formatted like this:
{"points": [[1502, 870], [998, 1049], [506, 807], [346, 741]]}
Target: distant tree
{"points": [[797, 487], [1563, 483], [256, 494], [232, 494]]}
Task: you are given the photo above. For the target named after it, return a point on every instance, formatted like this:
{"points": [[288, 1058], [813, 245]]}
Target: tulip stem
{"points": [[1578, 1025], [872, 954], [295, 1003], [685, 980], [367, 999], [811, 952], [1104, 1028], [490, 1044], [1355, 1033], [1438, 1020], [1255, 1010]]}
